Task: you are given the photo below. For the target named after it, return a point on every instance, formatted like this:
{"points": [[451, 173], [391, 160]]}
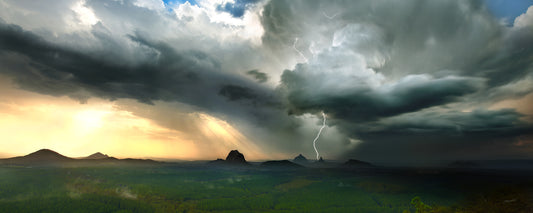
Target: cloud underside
{"points": [[410, 79]]}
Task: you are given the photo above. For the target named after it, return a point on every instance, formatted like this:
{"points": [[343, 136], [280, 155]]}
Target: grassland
{"points": [[200, 188]]}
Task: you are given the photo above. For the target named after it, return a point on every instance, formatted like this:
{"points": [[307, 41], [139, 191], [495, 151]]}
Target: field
{"points": [[181, 187]]}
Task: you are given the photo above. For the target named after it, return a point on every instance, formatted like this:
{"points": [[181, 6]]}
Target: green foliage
{"points": [[420, 207], [184, 189], [381, 187], [86, 203], [512, 199]]}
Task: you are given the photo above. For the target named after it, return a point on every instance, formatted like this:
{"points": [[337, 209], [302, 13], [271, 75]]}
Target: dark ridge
{"points": [[358, 163], [43, 156], [300, 159], [217, 161], [506, 164], [97, 155], [101, 160], [281, 164], [46, 157], [463, 164], [135, 160], [235, 157], [321, 163], [46, 154]]}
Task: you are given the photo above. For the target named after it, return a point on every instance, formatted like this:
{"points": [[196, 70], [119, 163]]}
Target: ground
{"points": [[200, 188]]}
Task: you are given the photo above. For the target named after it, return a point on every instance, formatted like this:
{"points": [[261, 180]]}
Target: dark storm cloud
{"points": [[397, 75], [413, 37], [512, 62], [261, 77], [237, 8], [443, 135], [233, 92], [361, 103], [410, 79], [455, 122], [53, 67], [190, 77]]}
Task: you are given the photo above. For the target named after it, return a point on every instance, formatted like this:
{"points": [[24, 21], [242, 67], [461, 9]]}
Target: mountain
{"points": [[321, 163], [49, 157], [300, 159], [281, 164], [357, 163], [46, 154], [97, 156], [217, 161], [235, 157], [43, 156]]}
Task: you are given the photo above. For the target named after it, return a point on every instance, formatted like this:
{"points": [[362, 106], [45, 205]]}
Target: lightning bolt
{"points": [[318, 135], [298, 51], [330, 17]]}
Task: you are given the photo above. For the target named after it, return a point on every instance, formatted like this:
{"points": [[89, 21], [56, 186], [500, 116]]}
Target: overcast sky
{"points": [[400, 82]]}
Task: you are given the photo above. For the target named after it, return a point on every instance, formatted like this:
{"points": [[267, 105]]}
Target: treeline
{"points": [[86, 203]]}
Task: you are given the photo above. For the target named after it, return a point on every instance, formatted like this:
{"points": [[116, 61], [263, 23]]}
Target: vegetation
{"points": [[198, 189]]}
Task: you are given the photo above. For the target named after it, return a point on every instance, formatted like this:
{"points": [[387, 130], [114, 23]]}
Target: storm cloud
{"points": [[402, 74], [261, 77], [412, 80]]}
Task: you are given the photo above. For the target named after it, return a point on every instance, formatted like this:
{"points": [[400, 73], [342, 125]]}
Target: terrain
{"points": [[46, 181]]}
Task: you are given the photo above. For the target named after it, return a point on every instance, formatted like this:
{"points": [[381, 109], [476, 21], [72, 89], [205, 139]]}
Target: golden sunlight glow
{"points": [[522, 105], [226, 138], [89, 120], [30, 121]]}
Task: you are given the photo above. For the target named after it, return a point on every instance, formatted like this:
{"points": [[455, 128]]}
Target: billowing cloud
{"points": [[261, 77], [436, 135], [392, 76], [237, 8], [401, 75], [525, 19]]}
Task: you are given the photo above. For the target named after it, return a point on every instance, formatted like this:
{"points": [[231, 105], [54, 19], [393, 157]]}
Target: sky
{"points": [[401, 82]]}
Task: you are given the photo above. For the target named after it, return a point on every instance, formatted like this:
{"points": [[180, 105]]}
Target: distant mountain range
{"points": [[281, 164], [43, 156], [50, 157], [234, 158], [97, 155], [509, 164], [300, 159], [357, 163], [321, 163]]}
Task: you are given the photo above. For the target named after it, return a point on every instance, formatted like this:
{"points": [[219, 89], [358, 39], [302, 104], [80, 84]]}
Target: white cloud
{"points": [[150, 4], [525, 19], [206, 19], [85, 15]]}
